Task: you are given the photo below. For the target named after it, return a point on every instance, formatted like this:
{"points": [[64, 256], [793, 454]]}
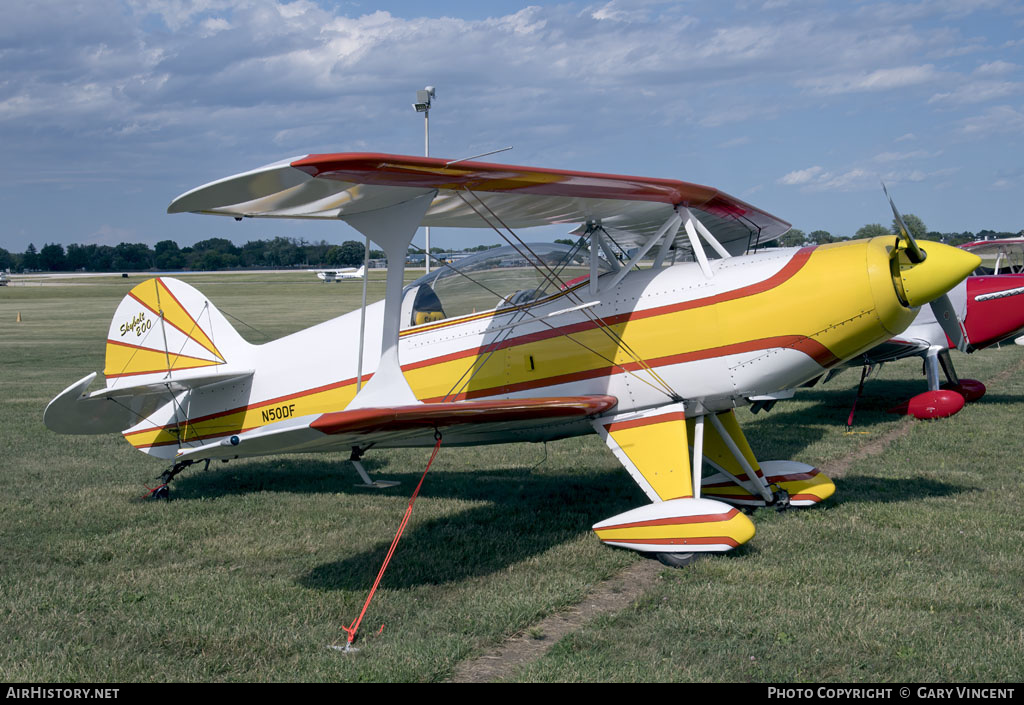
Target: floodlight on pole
{"points": [[422, 105]]}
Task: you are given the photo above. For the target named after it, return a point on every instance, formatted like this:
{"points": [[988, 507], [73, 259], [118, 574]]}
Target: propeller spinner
{"points": [[942, 307]]}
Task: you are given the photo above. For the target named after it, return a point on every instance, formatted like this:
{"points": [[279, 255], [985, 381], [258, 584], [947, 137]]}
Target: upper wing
{"points": [[403, 425], [476, 194]]}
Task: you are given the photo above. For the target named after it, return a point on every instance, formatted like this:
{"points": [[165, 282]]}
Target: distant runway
{"points": [[67, 278]]}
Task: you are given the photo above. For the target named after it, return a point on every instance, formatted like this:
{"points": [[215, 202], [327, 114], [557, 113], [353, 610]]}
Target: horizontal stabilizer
{"points": [[112, 410], [74, 412], [178, 384]]}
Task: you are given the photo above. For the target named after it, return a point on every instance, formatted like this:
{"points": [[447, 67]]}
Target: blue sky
{"points": [[111, 108]]}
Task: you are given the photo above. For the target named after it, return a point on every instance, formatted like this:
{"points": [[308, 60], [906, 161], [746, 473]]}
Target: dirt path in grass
{"points": [[840, 466], [610, 596], [620, 591]]}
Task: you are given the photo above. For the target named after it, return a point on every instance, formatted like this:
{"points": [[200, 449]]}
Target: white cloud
{"points": [[176, 14], [720, 94], [996, 68], [999, 119], [847, 181], [856, 178], [803, 176], [878, 80], [818, 179], [617, 11], [213, 25], [902, 156], [976, 92]]}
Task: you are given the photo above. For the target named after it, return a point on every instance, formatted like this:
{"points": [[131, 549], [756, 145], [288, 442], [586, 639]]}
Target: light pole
{"points": [[422, 105]]}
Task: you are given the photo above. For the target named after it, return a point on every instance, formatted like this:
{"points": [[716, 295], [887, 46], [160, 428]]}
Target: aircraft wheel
{"points": [[163, 492], [677, 560]]}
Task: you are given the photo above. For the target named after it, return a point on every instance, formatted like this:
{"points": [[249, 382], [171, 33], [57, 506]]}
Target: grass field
{"points": [[912, 572]]}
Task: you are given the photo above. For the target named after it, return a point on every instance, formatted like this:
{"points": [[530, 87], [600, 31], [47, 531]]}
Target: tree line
{"points": [[917, 228], [214, 253], [283, 252]]}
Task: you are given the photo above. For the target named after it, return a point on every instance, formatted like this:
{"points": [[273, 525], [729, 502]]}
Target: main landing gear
{"points": [[942, 400], [163, 490], [693, 512], [356, 459]]}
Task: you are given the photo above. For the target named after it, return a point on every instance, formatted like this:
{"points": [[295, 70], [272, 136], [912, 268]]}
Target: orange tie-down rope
{"points": [[353, 628]]}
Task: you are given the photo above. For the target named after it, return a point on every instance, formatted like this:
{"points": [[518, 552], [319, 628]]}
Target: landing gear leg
{"points": [[163, 490], [679, 525], [939, 401], [969, 389], [746, 483], [947, 367], [355, 458], [780, 499]]}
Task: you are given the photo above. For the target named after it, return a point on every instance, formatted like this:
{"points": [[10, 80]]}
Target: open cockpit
{"points": [[498, 278]]}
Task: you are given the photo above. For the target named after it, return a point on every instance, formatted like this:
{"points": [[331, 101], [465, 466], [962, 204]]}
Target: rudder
{"points": [[165, 329]]}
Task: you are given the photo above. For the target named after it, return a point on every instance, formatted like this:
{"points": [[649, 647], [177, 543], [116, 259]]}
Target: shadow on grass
{"points": [[853, 489], [297, 475], [787, 430], [525, 516], [990, 398], [879, 396]]}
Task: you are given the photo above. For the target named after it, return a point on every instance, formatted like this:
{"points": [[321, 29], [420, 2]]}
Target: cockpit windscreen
{"points": [[495, 278]]}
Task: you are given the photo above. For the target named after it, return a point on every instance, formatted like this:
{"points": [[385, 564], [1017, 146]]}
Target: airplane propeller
{"points": [[942, 307]]}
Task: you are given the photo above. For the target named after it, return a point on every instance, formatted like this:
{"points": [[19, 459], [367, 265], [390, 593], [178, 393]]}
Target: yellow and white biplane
{"points": [[525, 343]]}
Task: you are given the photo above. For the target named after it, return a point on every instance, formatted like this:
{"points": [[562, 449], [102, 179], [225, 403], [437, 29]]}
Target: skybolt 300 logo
{"points": [[139, 325]]}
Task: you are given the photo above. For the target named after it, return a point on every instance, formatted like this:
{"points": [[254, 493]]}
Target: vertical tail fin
{"points": [[165, 329]]}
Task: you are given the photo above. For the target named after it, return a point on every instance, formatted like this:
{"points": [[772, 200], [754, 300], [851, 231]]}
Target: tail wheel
{"points": [[678, 560]]}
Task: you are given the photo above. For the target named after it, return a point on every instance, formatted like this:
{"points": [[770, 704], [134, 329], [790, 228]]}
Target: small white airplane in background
{"points": [[336, 275]]}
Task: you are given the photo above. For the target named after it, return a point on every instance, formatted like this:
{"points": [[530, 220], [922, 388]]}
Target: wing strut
{"points": [[667, 230], [693, 226], [392, 228], [552, 276], [362, 318]]}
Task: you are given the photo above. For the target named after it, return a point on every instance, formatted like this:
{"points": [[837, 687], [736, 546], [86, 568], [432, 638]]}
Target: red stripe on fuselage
{"points": [[818, 352], [639, 423], [794, 265]]}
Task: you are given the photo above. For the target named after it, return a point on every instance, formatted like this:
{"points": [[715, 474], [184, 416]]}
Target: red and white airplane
{"points": [[1005, 256], [981, 311], [523, 344]]}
